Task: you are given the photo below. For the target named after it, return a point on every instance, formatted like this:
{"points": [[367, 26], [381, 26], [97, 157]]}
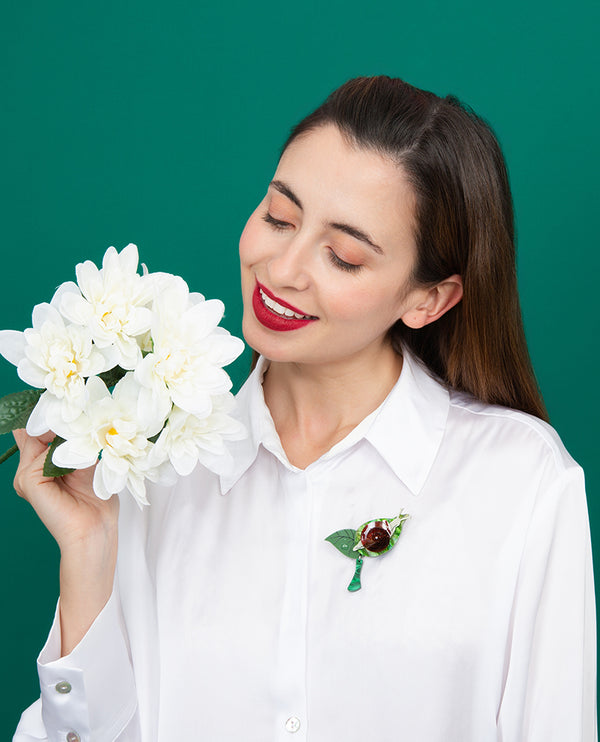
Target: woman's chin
{"points": [[276, 346]]}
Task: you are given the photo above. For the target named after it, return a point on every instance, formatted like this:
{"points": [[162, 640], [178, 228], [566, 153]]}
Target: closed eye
{"points": [[280, 226], [277, 224], [342, 264]]}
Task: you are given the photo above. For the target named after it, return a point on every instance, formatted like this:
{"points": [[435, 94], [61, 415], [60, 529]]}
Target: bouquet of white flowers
{"points": [[128, 372]]}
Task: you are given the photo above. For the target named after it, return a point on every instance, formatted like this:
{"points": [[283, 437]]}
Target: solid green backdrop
{"points": [[159, 124]]}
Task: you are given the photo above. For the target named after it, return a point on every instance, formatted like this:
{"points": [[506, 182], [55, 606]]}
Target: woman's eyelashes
{"points": [[339, 263], [279, 225]]}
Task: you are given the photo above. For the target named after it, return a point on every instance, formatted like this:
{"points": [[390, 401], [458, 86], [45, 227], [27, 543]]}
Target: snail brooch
{"points": [[372, 539]]}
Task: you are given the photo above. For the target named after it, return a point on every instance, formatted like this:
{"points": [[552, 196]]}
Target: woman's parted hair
{"points": [[464, 224]]}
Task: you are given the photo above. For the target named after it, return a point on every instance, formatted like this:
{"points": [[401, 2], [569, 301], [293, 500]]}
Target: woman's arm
{"points": [[90, 692], [86, 679], [550, 686], [85, 529]]}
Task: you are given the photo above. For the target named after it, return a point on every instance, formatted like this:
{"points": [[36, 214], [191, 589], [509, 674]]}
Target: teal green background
{"points": [[159, 124]]}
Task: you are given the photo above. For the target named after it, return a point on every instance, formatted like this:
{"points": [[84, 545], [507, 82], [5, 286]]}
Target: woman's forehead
{"points": [[330, 177]]}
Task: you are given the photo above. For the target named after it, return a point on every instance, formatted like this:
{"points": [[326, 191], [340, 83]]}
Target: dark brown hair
{"points": [[464, 225]]}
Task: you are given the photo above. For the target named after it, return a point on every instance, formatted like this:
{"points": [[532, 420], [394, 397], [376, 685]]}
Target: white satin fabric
{"points": [[230, 619]]}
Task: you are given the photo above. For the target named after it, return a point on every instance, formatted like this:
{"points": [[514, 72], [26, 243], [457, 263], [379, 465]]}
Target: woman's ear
{"points": [[430, 304]]}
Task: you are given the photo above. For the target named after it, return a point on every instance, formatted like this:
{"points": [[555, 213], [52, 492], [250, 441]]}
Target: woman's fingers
{"points": [[20, 436], [30, 472], [31, 448]]}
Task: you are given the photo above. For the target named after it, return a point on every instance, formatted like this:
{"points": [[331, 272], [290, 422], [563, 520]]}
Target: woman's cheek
{"points": [[250, 241], [354, 302]]}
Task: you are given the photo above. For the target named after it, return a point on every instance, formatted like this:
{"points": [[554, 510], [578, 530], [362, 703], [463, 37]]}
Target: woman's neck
{"points": [[315, 406]]}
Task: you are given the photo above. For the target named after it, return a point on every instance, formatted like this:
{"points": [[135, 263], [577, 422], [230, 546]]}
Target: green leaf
{"points": [[50, 469], [15, 409], [344, 541], [110, 378]]}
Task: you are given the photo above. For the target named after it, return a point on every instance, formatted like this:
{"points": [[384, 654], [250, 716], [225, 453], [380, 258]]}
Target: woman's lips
{"points": [[276, 314]]}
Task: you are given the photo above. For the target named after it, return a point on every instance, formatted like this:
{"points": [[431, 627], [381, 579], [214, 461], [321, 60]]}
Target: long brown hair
{"points": [[464, 224]]}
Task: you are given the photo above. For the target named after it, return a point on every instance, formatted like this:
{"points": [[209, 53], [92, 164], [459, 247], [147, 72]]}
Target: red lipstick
{"points": [[271, 319]]}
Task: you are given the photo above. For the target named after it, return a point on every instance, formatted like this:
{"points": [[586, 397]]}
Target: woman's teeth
{"points": [[278, 309]]}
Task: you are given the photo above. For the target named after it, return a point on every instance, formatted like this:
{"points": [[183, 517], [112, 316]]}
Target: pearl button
{"points": [[63, 687], [73, 737], [292, 724]]}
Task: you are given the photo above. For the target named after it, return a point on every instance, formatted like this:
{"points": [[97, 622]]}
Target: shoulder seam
{"points": [[521, 418]]}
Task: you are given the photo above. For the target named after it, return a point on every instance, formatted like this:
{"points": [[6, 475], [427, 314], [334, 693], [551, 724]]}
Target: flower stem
{"points": [[355, 584], [9, 453]]}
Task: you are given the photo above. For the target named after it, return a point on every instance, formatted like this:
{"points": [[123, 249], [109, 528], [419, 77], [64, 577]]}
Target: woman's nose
{"points": [[290, 264]]}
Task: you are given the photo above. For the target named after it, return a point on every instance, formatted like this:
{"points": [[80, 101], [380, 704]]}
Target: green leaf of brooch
{"points": [[372, 539]]}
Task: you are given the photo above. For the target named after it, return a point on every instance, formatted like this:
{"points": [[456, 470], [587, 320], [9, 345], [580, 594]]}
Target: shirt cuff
{"points": [[90, 693]]}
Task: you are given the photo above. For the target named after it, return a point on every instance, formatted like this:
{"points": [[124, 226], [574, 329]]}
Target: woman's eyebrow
{"points": [[358, 234], [287, 191]]}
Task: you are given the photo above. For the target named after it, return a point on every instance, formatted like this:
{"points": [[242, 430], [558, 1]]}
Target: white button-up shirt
{"points": [[231, 620]]}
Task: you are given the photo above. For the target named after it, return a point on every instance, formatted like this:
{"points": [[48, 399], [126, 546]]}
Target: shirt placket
{"points": [[291, 723]]}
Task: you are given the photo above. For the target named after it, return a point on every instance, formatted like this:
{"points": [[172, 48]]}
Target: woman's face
{"points": [[327, 255]]}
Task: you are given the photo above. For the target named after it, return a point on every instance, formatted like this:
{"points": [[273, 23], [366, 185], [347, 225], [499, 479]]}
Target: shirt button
{"points": [[292, 724], [63, 687], [73, 737]]}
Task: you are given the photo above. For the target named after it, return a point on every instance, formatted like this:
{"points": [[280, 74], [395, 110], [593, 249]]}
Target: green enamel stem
{"points": [[355, 584], [9, 453]]}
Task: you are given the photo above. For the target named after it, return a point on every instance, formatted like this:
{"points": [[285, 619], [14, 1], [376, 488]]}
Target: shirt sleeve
{"points": [[88, 695], [550, 686]]}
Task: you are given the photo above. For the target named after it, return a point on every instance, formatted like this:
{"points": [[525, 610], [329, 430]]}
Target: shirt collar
{"points": [[411, 423], [406, 429]]}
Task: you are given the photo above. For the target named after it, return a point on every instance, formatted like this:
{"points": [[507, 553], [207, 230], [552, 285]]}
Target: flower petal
{"points": [[129, 258], [31, 374], [99, 488], [198, 403], [137, 487], [46, 313], [202, 318], [224, 348], [36, 424], [184, 461], [12, 345], [75, 308], [89, 280], [139, 321], [78, 453], [96, 390], [66, 288], [114, 473]]}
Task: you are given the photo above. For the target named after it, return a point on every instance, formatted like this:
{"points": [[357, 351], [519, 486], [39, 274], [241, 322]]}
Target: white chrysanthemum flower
{"points": [[175, 390], [114, 303], [189, 350], [57, 357], [115, 427], [187, 439]]}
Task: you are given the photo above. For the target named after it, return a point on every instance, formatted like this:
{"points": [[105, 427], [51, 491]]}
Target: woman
{"points": [[379, 289]]}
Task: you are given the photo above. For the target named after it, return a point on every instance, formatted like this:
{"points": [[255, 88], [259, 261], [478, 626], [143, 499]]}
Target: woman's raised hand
{"points": [[83, 525], [66, 505]]}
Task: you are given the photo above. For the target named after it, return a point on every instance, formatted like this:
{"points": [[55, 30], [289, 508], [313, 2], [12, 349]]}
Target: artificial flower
{"points": [[115, 428], [187, 439], [188, 351], [55, 357], [112, 302], [164, 413]]}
